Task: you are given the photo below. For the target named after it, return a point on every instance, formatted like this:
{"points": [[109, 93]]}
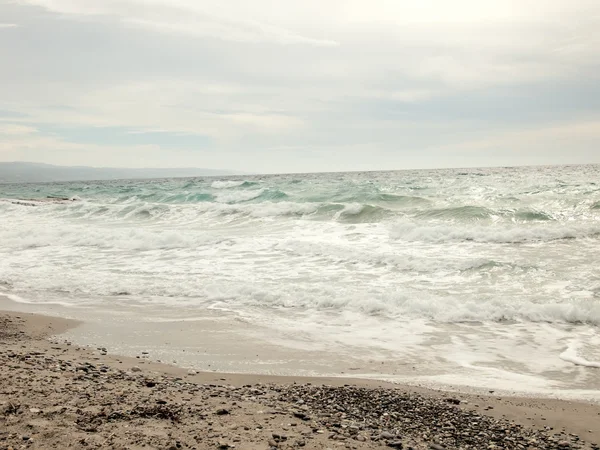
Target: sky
{"points": [[300, 86]]}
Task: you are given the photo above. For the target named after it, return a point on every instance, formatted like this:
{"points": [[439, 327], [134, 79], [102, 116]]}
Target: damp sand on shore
{"points": [[56, 395]]}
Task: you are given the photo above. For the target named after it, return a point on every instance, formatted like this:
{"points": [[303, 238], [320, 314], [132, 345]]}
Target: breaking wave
{"points": [[504, 233]]}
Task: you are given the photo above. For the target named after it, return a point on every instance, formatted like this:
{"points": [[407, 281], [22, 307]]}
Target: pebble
{"points": [[348, 414]]}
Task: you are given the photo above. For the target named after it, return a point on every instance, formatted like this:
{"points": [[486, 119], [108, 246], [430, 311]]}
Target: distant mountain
{"points": [[24, 172]]}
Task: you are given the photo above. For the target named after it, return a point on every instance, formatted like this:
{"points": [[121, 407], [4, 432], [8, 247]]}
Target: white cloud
{"points": [[20, 143], [566, 135], [8, 25], [199, 19], [176, 105], [463, 43], [408, 78], [233, 32], [15, 129]]}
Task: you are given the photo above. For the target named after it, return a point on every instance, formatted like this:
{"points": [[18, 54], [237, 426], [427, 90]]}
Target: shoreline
{"points": [[25, 336], [221, 343]]}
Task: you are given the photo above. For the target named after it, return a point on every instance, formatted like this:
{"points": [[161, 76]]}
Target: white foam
{"points": [[351, 209], [571, 355], [364, 271], [78, 236], [502, 233], [238, 196], [226, 184], [32, 301]]}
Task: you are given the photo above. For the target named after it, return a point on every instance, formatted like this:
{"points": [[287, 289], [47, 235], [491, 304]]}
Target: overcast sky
{"points": [[300, 85]]}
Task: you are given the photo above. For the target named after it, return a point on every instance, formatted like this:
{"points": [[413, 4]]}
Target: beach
{"points": [[454, 308], [54, 394], [274, 225]]}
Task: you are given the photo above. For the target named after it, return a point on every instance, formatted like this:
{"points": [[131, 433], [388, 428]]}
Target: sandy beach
{"points": [[286, 225], [56, 395]]}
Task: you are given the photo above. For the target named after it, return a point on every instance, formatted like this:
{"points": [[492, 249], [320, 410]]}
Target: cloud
{"points": [[22, 143], [235, 32], [536, 139], [185, 19], [276, 86], [14, 129], [8, 25]]}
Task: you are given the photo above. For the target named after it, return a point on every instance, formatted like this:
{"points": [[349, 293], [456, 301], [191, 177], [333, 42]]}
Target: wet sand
{"points": [[57, 395]]}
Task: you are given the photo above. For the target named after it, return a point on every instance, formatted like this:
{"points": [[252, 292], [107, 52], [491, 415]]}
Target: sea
{"points": [[482, 279]]}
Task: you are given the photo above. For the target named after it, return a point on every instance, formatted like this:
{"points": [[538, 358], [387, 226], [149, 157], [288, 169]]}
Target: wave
{"points": [[336, 254], [404, 200], [228, 184], [49, 200], [319, 298], [435, 225], [238, 196], [531, 216], [234, 205], [571, 355], [460, 212], [245, 196], [114, 238], [365, 195], [500, 233], [359, 213], [407, 305], [195, 197], [468, 223]]}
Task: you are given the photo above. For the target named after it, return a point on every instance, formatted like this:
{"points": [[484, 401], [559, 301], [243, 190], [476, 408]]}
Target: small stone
{"points": [[386, 435], [395, 444], [34, 410], [136, 369], [222, 412]]}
